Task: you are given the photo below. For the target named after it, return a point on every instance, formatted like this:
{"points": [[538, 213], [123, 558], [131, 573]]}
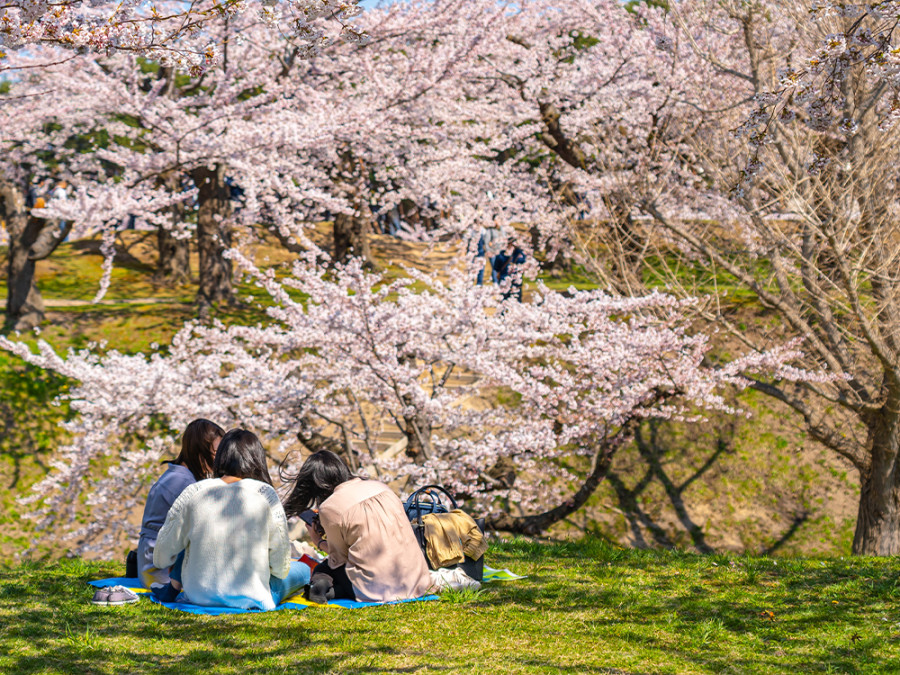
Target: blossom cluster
{"points": [[844, 43], [173, 32]]}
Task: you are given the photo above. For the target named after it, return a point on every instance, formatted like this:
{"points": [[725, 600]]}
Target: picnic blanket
{"points": [[296, 602]]}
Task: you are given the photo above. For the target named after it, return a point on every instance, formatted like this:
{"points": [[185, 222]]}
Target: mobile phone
{"points": [[311, 518]]}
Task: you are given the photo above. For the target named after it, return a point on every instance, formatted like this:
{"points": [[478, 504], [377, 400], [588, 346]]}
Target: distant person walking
{"points": [[61, 194], [37, 195], [488, 242], [508, 265]]}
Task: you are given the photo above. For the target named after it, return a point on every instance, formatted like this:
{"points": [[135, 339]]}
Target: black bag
{"points": [[422, 502], [131, 566], [430, 500]]}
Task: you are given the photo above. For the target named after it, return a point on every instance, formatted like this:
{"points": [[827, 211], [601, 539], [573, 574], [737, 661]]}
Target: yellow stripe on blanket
{"points": [[300, 600]]}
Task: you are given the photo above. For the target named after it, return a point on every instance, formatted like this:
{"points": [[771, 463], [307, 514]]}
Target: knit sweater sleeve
{"points": [[173, 537], [279, 544]]}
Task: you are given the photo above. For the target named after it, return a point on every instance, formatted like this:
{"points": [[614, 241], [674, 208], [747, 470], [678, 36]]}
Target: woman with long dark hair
{"points": [[233, 532], [373, 555], [198, 450]]}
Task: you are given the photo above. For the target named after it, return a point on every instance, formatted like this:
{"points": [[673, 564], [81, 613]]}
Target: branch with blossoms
{"points": [[174, 32], [855, 42]]}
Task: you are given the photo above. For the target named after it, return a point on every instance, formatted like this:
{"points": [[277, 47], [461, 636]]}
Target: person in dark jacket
{"points": [[508, 266], [194, 463]]}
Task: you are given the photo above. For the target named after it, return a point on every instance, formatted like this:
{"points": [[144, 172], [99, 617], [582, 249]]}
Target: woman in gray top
{"points": [[194, 463]]}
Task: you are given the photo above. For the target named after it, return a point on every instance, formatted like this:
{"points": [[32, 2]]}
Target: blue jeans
{"points": [[297, 577], [167, 593], [175, 572]]}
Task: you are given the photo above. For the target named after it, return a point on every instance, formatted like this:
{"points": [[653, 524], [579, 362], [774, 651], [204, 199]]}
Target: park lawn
{"points": [[586, 607]]}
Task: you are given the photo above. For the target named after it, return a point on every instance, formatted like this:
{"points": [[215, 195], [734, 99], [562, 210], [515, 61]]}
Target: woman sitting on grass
{"points": [[233, 532], [195, 462], [373, 555]]}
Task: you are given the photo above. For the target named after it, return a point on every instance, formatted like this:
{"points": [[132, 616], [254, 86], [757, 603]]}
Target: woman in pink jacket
{"points": [[373, 555]]}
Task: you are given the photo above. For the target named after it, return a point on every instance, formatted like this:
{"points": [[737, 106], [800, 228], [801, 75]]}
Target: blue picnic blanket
{"points": [[297, 602]]}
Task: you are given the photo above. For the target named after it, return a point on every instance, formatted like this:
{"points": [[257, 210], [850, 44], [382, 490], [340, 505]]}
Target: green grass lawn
{"points": [[585, 607]]}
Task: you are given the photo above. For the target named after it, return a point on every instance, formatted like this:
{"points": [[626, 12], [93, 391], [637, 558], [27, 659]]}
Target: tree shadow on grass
{"points": [[123, 256], [89, 640], [29, 430], [780, 615]]}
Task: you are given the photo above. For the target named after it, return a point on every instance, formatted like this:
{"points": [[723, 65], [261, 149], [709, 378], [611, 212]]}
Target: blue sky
{"points": [[368, 3]]}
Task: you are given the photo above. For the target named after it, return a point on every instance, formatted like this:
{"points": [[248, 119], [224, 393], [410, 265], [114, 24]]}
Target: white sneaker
{"points": [[119, 595], [455, 579]]}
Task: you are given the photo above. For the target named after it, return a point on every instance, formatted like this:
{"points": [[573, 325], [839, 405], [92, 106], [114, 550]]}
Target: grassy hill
{"points": [[728, 483], [586, 607]]}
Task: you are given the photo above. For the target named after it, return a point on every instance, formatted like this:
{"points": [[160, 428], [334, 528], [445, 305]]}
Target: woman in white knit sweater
{"points": [[233, 531]]}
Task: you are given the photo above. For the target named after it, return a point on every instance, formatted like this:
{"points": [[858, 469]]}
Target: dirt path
{"points": [[62, 303]]}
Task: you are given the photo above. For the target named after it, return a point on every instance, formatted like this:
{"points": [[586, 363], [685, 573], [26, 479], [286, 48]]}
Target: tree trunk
{"points": [[626, 247], [878, 519], [24, 304], [173, 267], [213, 237], [351, 232], [417, 428], [351, 239], [560, 265]]}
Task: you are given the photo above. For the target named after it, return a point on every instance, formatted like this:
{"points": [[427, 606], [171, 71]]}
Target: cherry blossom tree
{"points": [[840, 41], [25, 139], [350, 356], [395, 145], [45, 145], [113, 95], [789, 167], [181, 136], [231, 124], [809, 184], [42, 146]]}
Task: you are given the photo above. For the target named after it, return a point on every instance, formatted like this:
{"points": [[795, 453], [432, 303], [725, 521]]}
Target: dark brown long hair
{"points": [[197, 447], [318, 477]]}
